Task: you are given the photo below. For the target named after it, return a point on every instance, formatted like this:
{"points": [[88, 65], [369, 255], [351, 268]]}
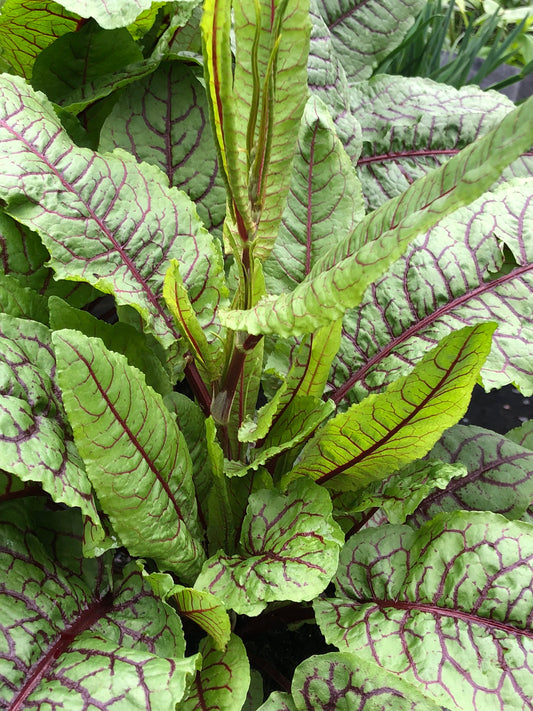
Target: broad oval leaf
{"points": [[222, 682], [386, 431], [113, 13], [177, 139], [340, 681], [448, 607], [73, 638], [105, 220], [499, 478], [36, 442], [288, 551], [135, 456]]}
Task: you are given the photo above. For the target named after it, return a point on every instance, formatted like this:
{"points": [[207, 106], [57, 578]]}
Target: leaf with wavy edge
{"points": [[223, 681], [36, 440], [135, 456], [452, 276], [499, 478], [339, 280], [327, 80], [363, 33], [462, 584], [27, 28], [386, 431], [177, 139], [288, 551], [76, 638], [339, 681], [105, 220], [412, 125], [401, 493], [324, 203], [522, 435]]}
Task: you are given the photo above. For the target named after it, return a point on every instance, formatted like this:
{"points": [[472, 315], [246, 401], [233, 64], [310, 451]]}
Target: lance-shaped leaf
{"points": [[474, 266], [118, 337], [365, 32], [499, 479], [204, 339], [36, 440], [223, 681], [116, 13], [401, 493], [27, 28], [105, 220], [412, 125], [306, 377], [327, 80], [135, 456], [339, 681], [163, 119], [270, 91], [462, 585], [288, 551], [338, 281], [324, 203], [386, 431], [72, 638]]}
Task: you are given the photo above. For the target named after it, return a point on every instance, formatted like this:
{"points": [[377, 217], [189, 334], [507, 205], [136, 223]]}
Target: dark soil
{"points": [[500, 410]]}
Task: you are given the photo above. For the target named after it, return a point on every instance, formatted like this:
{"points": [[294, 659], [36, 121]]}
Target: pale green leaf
{"points": [[387, 431], [135, 456], [288, 551]]}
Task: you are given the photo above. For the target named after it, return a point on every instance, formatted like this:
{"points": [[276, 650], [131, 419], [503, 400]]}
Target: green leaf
{"points": [[522, 435], [447, 607], [118, 337], [401, 493], [23, 256], [72, 633], [178, 140], [222, 682], [72, 70], [386, 431], [288, 551], [324, 203], [105, 220], [475, 265], [36, 441], [20, 301], [202, 333], [135, 456], [412, 125], [340, 681], [27, 28], [114, 13], [338, 281], [364, 33], [279, 106], [499, 477]]}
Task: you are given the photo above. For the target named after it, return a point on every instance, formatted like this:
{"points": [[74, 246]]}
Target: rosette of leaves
{"points": [[246, 293]]}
